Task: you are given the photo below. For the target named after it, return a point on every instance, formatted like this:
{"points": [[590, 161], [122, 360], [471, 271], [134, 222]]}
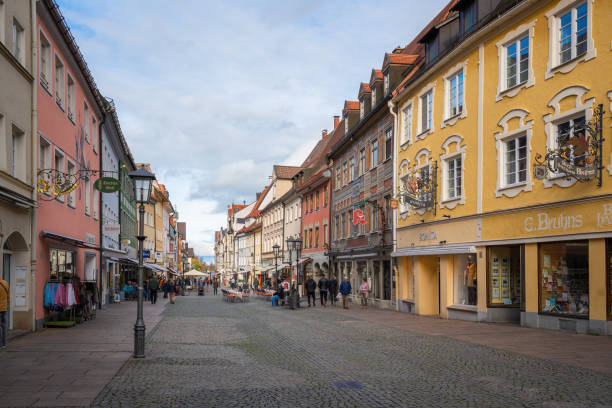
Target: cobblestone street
{"points": [[205, 352]]}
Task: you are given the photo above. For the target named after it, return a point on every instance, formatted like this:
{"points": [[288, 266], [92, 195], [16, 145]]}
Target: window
{"points": [[351, 169], [94, 133], [310, 238], [343, 225], [59, 82], [59, 167], [337, 227], [362, 161], [465, 276], [338, 176], [95, 203], [373, 95], [468, 18], [564, 277], [2, 21], [572, 36], [45, 62], [325, 196], [346, 125], [504, 276], [70, 99], [361, 109], [375, 218], [388, 143], [431, 49], [344, 173], [61, 266], [316, 237], [87, 187], [407, 124], [18, 42], [515, 160], [455, 102], [569, 133], [44, 157], [386, 84], [517, 62], [18, 156], [374, 158], [426, 111], [325, 237], [85, 116], [72, 195], [454, 174], [317, 201]]}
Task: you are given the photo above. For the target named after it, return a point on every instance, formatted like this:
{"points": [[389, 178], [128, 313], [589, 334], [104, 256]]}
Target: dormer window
{"points": [[346, 127], [431, 49], [386, 84], [468, 18], [361, 108], [373, 95]]}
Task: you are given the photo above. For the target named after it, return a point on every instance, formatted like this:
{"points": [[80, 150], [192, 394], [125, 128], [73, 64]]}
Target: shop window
{"points": [[61, 265], [90, 268], [504, 279], [375, 286], [564, 277], [465, 285]]}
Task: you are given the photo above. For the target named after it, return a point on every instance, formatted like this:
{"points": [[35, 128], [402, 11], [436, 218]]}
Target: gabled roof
{"points": [[398, 59], [255, 212], [364, 88], [351, 105], [234, 208], [285, 172], [376, 75], [440, 17]]}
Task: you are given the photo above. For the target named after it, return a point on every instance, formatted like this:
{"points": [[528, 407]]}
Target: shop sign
{"points": [[393, 204], [111, 228], [146, 253], [428, 236], [420, 191], [107, 185], [579, 152], [358, 217]]}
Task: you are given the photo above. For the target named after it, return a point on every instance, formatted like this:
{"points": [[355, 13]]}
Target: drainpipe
{"points": [[393, 110], [34, 236], [100, 262]]}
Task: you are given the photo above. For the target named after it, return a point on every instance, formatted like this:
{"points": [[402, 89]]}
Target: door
{"points": [[6, 275], [387, 280]]}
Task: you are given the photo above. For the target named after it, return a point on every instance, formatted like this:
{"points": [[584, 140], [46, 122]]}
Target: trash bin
{"points": [[294, 300]]}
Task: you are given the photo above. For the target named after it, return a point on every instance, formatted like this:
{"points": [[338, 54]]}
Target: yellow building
{"points": [[504, 184]]}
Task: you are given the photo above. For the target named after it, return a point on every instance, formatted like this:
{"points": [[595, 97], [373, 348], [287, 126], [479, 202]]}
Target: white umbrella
{"points": [[193, 272]]}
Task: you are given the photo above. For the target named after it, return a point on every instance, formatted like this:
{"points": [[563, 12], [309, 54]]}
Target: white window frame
{"points": [[450, 154], [86, 121], [45, 54], [60, 86], [70, 98], [352, 168], [387, 134], [18, 156], [344, 174], [346, 125], [44, 153], [406, 118], [451, 119], [421, 160], [554, 65], [87, 201], [524, 128], [362, 161], [361, 108], [71, 197], [422, 132], [2, 21], [386, 84], [551, 121], [404, 176], [373, 99], [57, 151], [374, 157], [18, 41], [510, 38]]}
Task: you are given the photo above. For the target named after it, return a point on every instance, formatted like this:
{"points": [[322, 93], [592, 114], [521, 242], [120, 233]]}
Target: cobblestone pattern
{"points": [[208, 353]]}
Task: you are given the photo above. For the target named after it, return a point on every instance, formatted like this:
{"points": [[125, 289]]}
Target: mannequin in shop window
{"points": [[469, 278]]}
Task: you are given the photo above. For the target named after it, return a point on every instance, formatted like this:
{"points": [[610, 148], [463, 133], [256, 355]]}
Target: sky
{"points": [[212, 94]]}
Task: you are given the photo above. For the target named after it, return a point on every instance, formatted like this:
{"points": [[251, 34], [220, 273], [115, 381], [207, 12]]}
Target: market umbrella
{"points": [[193, 272]]}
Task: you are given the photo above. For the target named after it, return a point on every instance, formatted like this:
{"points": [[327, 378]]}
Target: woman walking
{"points": [[364, 290]]}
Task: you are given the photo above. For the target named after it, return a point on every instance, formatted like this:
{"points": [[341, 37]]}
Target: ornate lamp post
{"points": [[143, 181], [275, 248]]}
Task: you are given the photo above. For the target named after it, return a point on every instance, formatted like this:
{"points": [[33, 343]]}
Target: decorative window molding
{"points": [[501, 138], [407, 121], [422, 133], [552, 119], [459, 71], [448, 155], [554, 25], [510, 38], [404, 176]]}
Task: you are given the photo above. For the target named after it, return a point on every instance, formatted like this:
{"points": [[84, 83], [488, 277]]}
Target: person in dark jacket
{"points": [[153, 286], [171, 287], [332, 289], [345, 290], [323, 291], [310, 286]]}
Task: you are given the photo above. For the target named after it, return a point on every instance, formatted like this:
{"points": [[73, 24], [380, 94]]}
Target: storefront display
{"points": [[61, 265], [465, 285], [564, 277], [504, 277]]}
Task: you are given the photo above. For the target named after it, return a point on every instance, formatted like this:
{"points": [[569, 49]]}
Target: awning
{"points": [[128, 260], [358, 255], [65, 239], [435, 250], [302, 261]]}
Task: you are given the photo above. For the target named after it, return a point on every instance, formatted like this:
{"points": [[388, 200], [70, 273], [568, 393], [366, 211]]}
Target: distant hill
{"points": [[208, 259]]}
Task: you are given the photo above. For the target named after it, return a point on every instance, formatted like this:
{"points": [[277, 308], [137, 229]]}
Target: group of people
{"points": [[329, 288], [170, 288]]}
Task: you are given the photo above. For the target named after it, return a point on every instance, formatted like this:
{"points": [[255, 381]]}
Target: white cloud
{"points": [[212, 94]]}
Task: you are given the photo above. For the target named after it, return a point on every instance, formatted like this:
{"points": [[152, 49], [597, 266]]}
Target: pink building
{"points": [[69, 115]]}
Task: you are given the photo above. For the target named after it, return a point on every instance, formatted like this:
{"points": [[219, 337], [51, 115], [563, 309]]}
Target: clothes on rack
{"points": [[59, 294]]}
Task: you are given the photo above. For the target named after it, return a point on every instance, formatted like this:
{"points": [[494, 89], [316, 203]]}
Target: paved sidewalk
{"points": [[69, 367], [580, 350]]}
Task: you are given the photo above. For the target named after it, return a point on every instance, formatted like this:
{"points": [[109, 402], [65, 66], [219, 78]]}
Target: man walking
{"points": [[4, 302], [310, 286], [323, 290], [332, 289], [345, 290], [215, 286], [153, 287]]}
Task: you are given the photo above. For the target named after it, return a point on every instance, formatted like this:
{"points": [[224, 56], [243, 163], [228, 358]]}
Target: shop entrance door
{"points": [[6, 275], [387, 280]]}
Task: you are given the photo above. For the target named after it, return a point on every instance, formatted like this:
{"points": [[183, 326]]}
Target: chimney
{"points": [[323, 133], [398, 50], [336, 121]]}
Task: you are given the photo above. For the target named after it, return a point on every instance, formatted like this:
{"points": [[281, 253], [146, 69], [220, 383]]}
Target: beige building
{"points": [[17, 158]]}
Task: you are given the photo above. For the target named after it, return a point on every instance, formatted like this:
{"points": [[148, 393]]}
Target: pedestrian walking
{"points": [[345, 290], [285, 286], [153, 287], [165, 289], [5, 296], [233, 283], [364, 291], [215, 286], [171, 289], [323, 291], [332, 289], [310, 286]]}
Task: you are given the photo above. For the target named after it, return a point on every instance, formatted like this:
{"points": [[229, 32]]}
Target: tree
{"points": [[195, 264]]}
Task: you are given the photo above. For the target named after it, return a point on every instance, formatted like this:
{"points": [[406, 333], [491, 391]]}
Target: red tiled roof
{"points": [[286, 172], [402, 59], [376, 75], [365, 86], [255, 212], [351, 105], [235, 208]]}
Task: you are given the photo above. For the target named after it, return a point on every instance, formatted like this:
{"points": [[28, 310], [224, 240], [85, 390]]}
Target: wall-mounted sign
{"points": [[420, 191], [578, 153], [146, 253], [107, 185], [358, 217], [393, 204], [111, 229]]}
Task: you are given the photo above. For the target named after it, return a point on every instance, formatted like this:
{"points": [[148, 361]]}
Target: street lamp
{"points": [[143, 180], [276, 248]]}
